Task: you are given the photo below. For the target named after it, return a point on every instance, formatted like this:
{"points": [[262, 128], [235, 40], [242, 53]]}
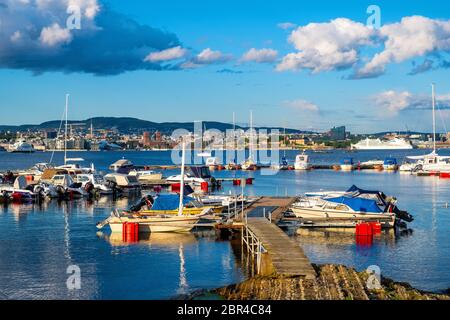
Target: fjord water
{"points": [[39, 242]]}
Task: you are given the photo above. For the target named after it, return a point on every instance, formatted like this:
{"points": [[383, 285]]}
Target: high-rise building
{"points": [[338, 133]]}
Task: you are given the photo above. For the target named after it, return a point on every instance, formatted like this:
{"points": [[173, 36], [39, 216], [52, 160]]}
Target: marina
{"points": [[274, 194], [215, 157]]}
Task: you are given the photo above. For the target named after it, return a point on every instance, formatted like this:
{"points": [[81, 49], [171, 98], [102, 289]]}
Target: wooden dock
{"points": [[286, 256], [265, 239]]}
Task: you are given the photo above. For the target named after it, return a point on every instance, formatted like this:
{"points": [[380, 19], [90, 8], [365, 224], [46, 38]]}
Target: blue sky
{"points": [[38, 67]]}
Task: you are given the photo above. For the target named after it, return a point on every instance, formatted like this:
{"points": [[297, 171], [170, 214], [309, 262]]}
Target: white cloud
{"points": [[286, 25], [260, 55], [392, 102], [166, 55], [208, 56], [55, 35], [302, 105], [327, 46], [337, 44], [412, 37], [16, 36]]}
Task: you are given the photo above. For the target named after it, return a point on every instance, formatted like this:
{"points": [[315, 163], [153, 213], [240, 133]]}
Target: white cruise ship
{"points": [[377, 144]]}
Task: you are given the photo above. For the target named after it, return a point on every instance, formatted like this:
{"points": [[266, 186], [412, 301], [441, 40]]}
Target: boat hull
{"points": [[186, 211], [315, 214], [347, 167], [182, 224]]}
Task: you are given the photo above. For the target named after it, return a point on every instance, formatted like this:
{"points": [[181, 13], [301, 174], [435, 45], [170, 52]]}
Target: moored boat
{"points": [[347, 164], [342, 207], [390, 164], [302, 162]]}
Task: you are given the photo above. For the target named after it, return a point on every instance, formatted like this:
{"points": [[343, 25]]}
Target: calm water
{"points": [[38, 243]]}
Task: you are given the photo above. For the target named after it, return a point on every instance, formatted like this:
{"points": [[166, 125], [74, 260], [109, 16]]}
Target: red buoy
{"points": [[364, 229], [175, 187], [376, 227], [204, 186]]}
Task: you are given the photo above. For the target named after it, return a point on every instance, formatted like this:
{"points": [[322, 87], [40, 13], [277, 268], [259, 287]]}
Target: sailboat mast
{"points": [[250, 149], [65, 130], [180, 205], [434, 115]]}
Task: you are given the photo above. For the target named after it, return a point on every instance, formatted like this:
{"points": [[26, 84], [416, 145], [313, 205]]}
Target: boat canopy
{"points": [[390, 161], [354, 188], [347, 161], [358, 204], [169, 202], [200, 171]]}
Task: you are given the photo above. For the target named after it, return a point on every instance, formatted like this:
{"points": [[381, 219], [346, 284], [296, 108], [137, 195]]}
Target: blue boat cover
{"points": [[390, 161], [347, 161], [358, 204], [354, 188], [169, 201]]}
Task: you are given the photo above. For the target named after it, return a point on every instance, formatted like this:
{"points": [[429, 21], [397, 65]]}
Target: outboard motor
{"points": [[89, 187], [403, 215], [145, 201]]}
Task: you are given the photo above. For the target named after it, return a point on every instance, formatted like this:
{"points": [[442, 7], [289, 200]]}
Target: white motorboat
{"points": [[75, 168], [347, 164], [195, 175], [96, 181], [390, 164], [146, 175], [373, 163], [213, 163], [383, 202], [66, 185], [302, 162], [122, 166], [340, 208], [249, 165], [22, 146], [125, 182]]}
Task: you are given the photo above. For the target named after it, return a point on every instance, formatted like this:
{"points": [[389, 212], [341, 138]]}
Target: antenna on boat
{"points": [[65, 130], [183, 150], [434, 115]]}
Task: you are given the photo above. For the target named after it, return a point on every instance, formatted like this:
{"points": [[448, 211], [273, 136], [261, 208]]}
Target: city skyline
{"points": [[303, 66]]}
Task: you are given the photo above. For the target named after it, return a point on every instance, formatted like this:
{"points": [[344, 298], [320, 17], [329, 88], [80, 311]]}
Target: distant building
{"points": [[51, 134], [158, 136], [338, 133], [146, 139]]}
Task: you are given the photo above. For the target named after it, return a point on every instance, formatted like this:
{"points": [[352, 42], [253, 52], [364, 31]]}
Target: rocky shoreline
{"points": [[334, 282]]}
